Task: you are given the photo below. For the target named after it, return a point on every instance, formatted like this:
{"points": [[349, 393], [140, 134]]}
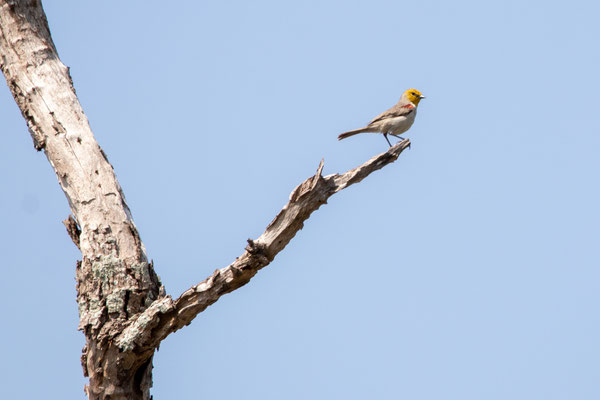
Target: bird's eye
{"points": [[413, 93]]}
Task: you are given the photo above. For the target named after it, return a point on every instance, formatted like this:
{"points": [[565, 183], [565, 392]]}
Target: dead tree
{"points": [[124, 311]]}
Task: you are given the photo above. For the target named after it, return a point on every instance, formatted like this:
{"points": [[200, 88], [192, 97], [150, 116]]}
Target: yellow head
{"points": [[414, 96]]}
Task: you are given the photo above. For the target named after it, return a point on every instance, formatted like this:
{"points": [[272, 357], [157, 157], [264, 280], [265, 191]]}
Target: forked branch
{"points": [[166, 315], [123, 310]]}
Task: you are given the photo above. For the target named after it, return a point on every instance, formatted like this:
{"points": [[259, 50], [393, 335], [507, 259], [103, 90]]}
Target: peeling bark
{"points": [[123, 309], [73, 230], [165, 316], [114, 279]]}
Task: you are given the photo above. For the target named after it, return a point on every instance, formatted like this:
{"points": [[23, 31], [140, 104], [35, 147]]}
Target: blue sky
{"points": [[469, 269]]}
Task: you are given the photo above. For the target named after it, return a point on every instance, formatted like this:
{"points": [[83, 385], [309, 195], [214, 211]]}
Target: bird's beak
{"points": [[422, 97]]}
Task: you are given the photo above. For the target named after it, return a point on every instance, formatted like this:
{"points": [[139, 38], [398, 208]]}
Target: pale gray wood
{"points": [[114, 278]]}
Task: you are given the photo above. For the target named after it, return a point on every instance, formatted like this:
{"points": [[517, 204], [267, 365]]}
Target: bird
{"points": [[394, 121]]}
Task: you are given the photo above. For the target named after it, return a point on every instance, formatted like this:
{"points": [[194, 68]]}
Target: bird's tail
{"points": [[354, 132]]}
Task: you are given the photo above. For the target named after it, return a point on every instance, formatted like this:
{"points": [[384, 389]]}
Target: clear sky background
{"points": [[467, 270]]}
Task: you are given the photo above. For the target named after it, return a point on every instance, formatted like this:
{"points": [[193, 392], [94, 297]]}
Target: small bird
{"points": [[394, 121]]}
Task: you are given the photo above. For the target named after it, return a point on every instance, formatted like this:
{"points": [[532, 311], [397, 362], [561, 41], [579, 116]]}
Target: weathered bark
{"points": [[165, 316], [123, 310], [114, 278]]}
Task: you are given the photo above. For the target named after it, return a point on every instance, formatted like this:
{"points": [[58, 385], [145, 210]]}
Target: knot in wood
{"points": [[255, 248]]}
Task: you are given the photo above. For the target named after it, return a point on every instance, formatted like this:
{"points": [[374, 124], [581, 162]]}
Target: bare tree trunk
{"points": [[123, 309], [114, 278]]}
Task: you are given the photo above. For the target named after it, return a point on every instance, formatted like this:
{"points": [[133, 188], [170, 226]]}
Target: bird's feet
{"points": [[386, 138], [401, 139]]}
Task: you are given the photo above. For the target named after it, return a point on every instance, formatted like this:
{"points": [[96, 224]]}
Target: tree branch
{"points": [[166, 315]]}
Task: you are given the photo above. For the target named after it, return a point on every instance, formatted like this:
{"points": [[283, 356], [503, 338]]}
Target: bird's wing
{"points": [[396, 111]]}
